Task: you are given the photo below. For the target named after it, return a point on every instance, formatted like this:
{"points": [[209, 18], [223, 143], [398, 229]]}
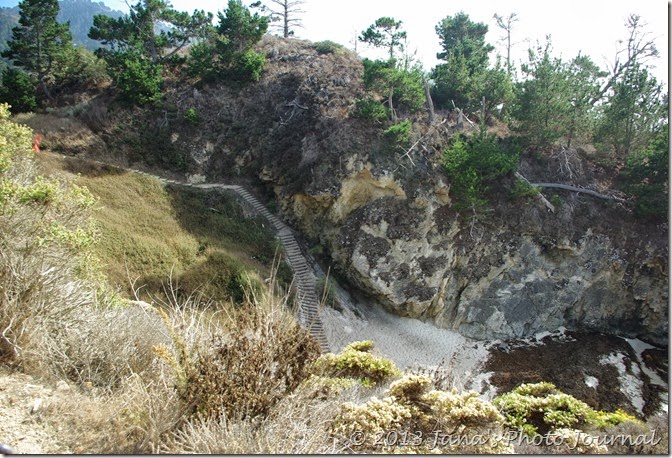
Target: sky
{"points": [[590, 26]]}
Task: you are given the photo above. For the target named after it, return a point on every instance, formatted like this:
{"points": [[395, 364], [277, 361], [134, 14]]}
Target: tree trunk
{"points": [[390, 106], [428, 96], [45, 89]]}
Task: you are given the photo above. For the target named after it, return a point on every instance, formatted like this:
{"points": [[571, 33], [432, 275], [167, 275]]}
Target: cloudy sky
{"points": [[590, 26]]}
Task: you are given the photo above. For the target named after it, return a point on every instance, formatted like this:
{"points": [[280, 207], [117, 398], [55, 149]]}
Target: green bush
{"points": [[192, 116], [646, 175], [537, 408], [474, 164], [399, 134], [137, 79], [18, 91], [356, 361], [369, 108], [556, 200], [247, 66], [328, 47], [523, 190]]}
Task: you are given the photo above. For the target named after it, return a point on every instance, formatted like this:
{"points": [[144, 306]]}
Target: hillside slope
{"points": [[387, 220]]}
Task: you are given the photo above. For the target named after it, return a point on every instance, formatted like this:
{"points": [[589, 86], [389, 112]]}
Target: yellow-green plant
{"points": [[537, 408], [356, 361], [411, 418]]}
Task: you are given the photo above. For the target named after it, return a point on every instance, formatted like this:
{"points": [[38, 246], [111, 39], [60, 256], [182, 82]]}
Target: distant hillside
{"points": [[80, 13]]}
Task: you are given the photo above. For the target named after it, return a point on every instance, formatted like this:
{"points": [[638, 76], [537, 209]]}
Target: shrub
{"points": [[45, 275], [247, 66], [523, 190], [556, 200], [411, 419], [369, 108], [242, 374], [356, 361], [399, 134], [474, 164], [192, 116], [137, 79], [646, 175], [328, 47], [538, 408], [18, 91]]}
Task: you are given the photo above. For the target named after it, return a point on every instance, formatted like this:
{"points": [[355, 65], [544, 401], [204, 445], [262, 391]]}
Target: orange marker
{"points": [[36, 143]]}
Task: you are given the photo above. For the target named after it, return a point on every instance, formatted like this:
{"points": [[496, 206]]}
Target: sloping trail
{"points": [[308, 315]]}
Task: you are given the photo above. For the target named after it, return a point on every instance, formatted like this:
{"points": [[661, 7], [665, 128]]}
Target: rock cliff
{"points": [[387, 220]]}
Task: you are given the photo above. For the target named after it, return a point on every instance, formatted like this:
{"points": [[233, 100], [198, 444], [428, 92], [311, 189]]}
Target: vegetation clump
{"points": [[244, 373], [356, 361], [328, 47], [474, 164], [421, 419], [537, 408]]}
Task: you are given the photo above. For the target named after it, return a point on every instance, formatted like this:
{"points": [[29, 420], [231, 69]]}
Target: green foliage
{"points": [[139, 31], [633, 113], [81, 69], [39, 43], [555, 98], [137, 50], [328, 47], [556, 200], [384, 33], [402, 85], [538, 408], [462, 37], [228, 50], [18, 91], [542, 103], [247, 66], [475, 163], [464, 78], [399, 134], [356, 361], [369, 108], [192, 116], [523, 190], [240, 29], [646, 175], [138, 80]]}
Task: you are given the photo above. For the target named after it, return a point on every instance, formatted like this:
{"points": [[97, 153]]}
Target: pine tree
{"points": [[39, 42]]}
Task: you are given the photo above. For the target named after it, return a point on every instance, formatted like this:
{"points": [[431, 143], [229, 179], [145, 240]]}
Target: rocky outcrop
{"points": [[507, 273], [387, 219]]}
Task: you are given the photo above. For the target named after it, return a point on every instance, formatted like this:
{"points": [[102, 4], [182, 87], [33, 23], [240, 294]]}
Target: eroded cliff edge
{"points": [[388, 221]]}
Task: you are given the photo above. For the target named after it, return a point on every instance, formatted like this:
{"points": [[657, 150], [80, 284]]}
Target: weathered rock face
{"points": [[388, 223], [514, 272]]}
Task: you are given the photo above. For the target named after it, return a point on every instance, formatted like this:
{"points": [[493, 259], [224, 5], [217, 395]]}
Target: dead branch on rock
{"points": [[407, 153], [571, 188], [462, 117], [295, 105], [540, 196]]}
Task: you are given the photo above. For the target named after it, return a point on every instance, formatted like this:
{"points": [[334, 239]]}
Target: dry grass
{"points": [[150, 232], [297, 424]]}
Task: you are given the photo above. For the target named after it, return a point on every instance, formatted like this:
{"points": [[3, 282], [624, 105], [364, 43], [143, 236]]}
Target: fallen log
{"points": [[567, 187]]}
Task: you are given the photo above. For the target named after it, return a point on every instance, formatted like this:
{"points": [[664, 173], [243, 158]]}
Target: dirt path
{"points": [[22, 403]]}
